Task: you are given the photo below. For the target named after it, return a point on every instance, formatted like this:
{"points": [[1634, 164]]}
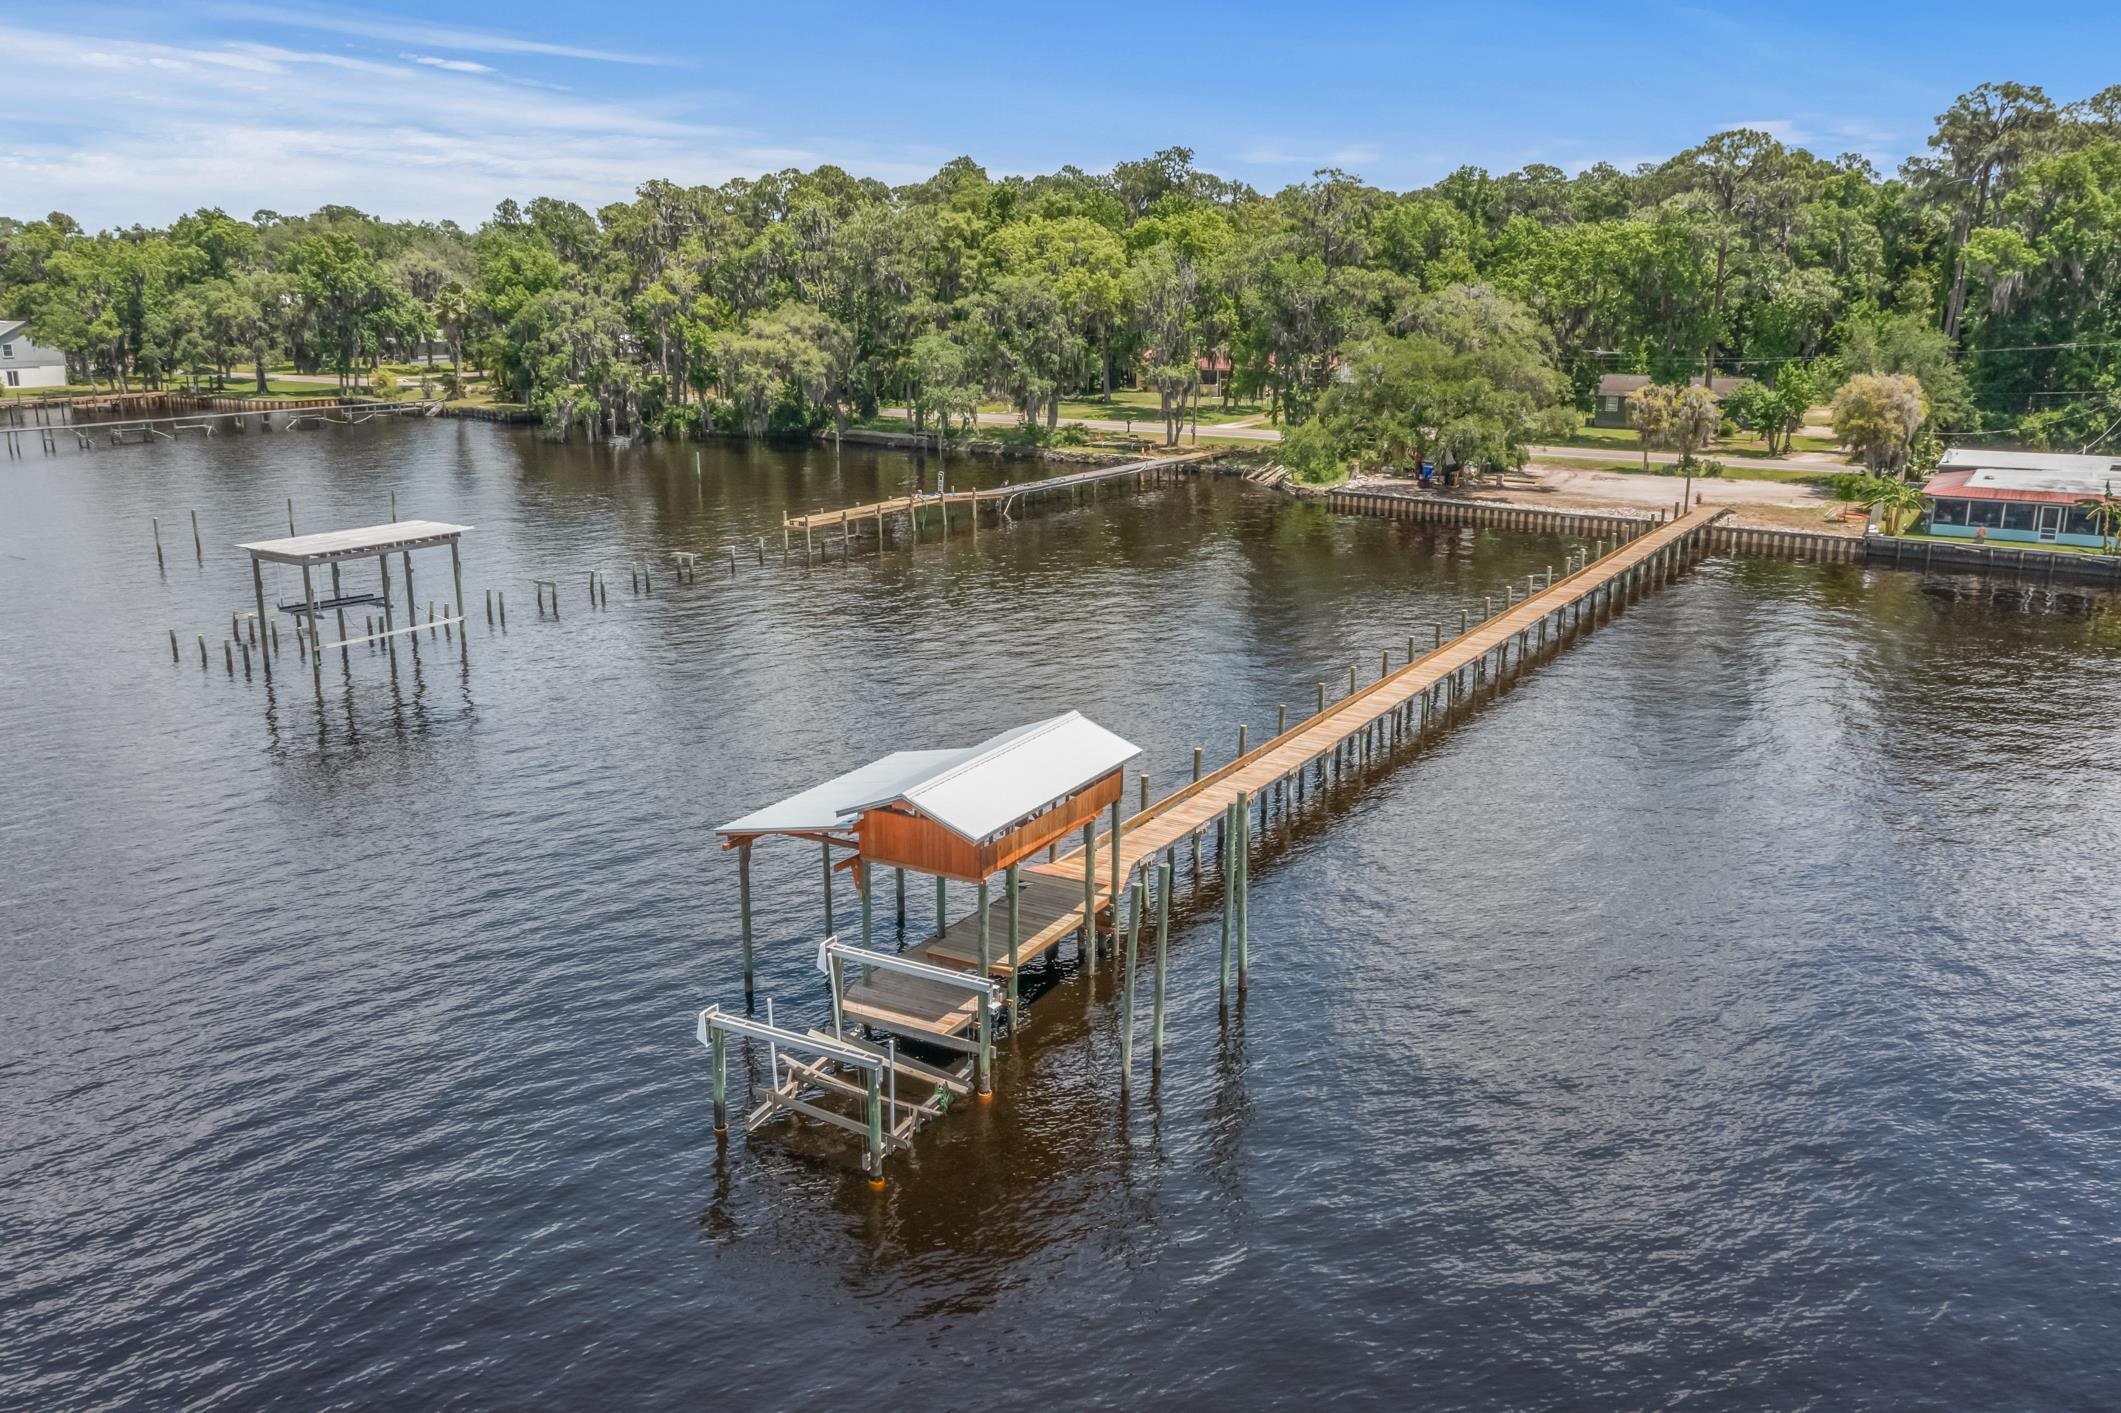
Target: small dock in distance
{"points": [[913, 508]]}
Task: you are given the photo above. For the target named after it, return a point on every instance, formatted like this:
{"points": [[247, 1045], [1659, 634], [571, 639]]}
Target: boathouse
{"points": [[961, 814], [2028, 497]]}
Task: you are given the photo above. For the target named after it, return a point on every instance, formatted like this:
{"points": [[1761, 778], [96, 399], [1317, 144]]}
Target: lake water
{"points": [[1724, 1016]]}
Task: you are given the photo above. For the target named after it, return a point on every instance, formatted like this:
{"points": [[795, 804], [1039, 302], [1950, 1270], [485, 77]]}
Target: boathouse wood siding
{"points": [[894, 837]]}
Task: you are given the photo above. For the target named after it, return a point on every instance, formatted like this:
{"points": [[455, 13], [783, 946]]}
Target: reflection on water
{"points": [[1724, 1010]]}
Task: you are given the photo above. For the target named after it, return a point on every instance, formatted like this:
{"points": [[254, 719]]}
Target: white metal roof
{"points": [[834, 804], [975, 792], [2060, 472], [355, 544]]}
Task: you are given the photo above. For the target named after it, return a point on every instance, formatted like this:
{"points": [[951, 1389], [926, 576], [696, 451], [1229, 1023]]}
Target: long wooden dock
{"points": [[1053, 898], [998, 501], [1431, 683]]}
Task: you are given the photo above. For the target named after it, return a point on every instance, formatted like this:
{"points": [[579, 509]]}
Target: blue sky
{"points": [[119, 114]]}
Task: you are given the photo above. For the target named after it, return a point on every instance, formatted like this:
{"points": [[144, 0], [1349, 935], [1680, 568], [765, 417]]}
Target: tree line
{"points": [[1464, 317]]}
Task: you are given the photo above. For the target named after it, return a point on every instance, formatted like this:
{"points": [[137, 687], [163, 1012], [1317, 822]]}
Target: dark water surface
{"points": [[1726, 1016]]}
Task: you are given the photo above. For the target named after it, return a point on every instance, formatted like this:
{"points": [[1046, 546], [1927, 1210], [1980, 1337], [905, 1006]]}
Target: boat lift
{"points": [[844, 1081]]}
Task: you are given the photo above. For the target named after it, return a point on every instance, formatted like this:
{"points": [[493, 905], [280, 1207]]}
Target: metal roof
{"points": [[360, 543], [2057, 473], [834, 804], [974, 792]]}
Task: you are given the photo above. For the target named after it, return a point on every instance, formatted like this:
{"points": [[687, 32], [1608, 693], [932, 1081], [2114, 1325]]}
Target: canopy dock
{"points": [[331, 549], [964, 814], [967, 814]]}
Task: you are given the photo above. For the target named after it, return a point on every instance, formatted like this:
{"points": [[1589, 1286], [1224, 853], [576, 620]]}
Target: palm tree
{"points": [[2105, 512], [1896, 500]]}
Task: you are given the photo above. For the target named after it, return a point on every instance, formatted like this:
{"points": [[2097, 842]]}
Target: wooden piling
{"points": [[1090, 897], [155, 523], [1126, 981], [196, 547], [718, 1044], [1163, 947]]}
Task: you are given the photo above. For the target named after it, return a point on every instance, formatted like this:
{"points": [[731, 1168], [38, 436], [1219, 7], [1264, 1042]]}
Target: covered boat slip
{"points": [[332, 548], [966, 815]]}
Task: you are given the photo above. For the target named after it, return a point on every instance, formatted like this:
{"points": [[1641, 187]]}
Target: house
{"points": [[28, 365], [1610, 407], [2030, 497]]}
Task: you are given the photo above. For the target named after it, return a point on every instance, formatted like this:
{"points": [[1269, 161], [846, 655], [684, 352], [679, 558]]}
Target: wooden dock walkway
{"points": [[998, 500], [1399, 702], [1052, 897]]}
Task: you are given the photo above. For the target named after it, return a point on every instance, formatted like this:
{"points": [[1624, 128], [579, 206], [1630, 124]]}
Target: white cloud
{"points": [[130, 130], [429, 36], [455, 66]]}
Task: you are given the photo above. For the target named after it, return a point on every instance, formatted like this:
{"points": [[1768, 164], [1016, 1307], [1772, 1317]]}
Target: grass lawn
{"points": [[1824, 480], [1613, 438], [1140, 405]]}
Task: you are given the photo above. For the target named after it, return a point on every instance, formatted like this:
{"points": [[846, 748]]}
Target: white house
{"points": [[28, 365]]}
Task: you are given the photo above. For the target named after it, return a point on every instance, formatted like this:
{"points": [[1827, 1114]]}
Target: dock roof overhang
{"points": [[366, 542], [975, 794]]}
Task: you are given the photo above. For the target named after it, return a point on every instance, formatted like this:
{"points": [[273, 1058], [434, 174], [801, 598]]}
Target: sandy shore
{"points": [[1767, 504]]}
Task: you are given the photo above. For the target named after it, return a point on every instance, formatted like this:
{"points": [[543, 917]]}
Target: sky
{"points": [[123, 114]]}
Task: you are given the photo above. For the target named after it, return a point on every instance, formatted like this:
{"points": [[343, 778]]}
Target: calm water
{"points": [[1726, 1016]]}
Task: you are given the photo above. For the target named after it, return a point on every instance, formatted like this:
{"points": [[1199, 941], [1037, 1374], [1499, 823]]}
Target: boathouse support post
{"points": [[743, 907], [941, 900], [986, 944], [901, 887], [861, 883], [257, 584], [825, 853], [1016, 938], [456, 574], [1115, 861], [309, 596], [1090, 896]]}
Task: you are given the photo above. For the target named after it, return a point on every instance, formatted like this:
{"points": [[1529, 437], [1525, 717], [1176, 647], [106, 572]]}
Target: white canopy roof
{"points": [[974, 792], [364, 542]]}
